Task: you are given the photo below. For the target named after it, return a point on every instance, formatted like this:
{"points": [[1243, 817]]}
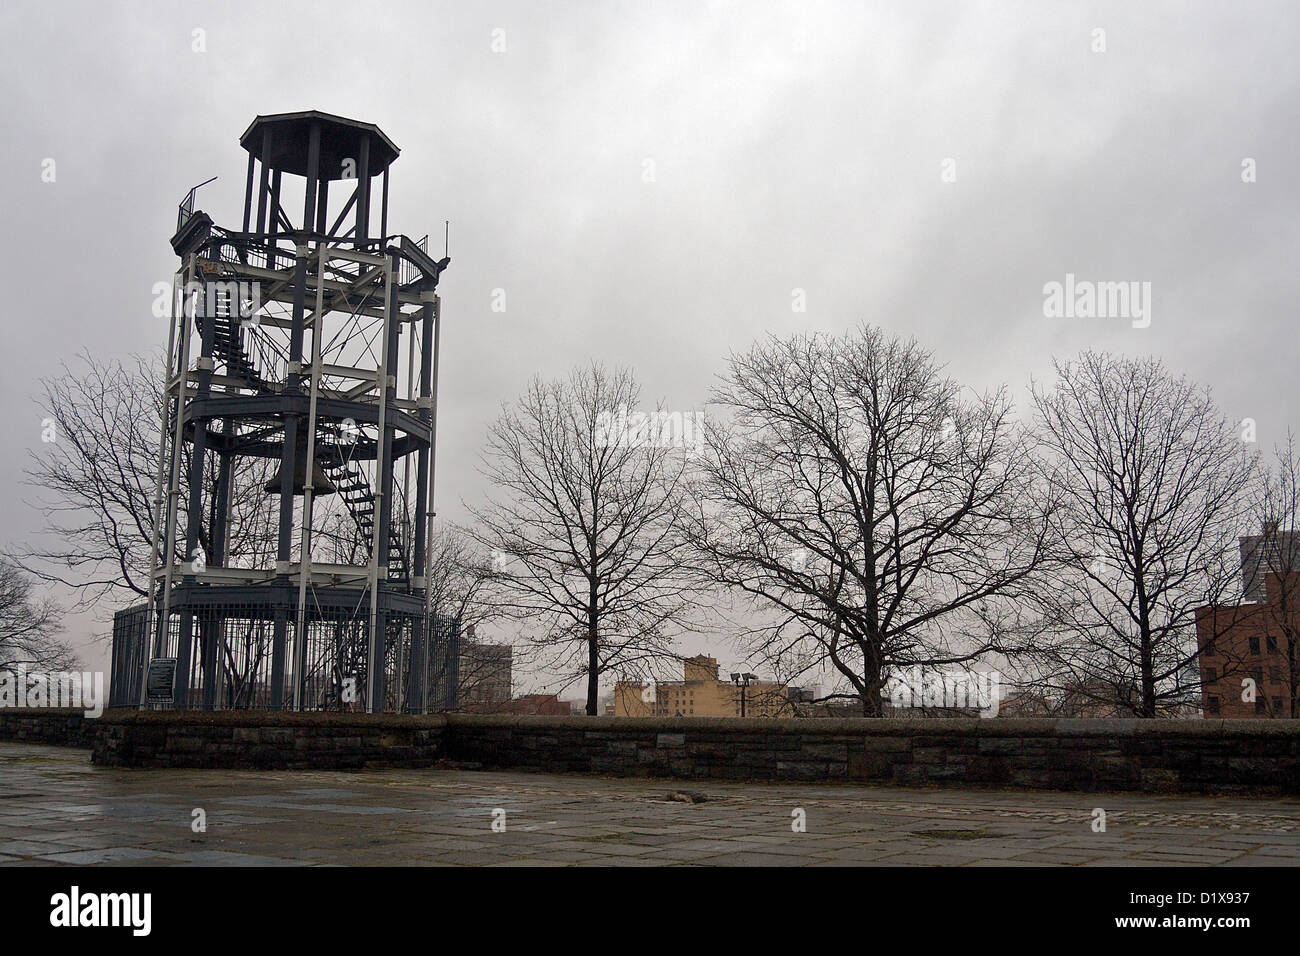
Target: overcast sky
{"points": [[651, 182]]}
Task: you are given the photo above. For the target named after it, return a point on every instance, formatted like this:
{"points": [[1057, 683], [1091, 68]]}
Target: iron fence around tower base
{"points": [[245, 656]]}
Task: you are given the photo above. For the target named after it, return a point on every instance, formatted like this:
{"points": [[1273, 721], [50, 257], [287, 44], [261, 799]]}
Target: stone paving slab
{"points": [[58, 809]]}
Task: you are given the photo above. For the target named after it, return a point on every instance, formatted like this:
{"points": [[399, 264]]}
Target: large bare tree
{"points": [[876, 508], [95, 481], [1153, 485], [583, 525]]}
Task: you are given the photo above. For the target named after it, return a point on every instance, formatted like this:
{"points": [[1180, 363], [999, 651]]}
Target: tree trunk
{"points": [[1293, 676], [593, 662], [871, 685]]}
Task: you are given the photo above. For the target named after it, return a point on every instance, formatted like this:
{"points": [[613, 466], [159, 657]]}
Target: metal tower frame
{"points": [[304, 371]]}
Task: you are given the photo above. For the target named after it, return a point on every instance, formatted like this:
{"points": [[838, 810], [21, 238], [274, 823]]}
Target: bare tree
{"points": [[95, 485], [459, 578], [95, 481], [871, 504], [1152, 483], [95, 476], [28, 627], [584, 528], [460, 575]]}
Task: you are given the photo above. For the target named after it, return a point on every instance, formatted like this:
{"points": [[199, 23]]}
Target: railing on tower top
{"points": [[406, 271], [185, 211], [186, 208]]}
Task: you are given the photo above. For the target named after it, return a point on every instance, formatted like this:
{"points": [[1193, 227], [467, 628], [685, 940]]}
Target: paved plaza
{"points": [[56, 808]]}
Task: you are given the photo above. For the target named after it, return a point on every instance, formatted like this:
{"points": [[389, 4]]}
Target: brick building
{"points": [[1249, 650]]}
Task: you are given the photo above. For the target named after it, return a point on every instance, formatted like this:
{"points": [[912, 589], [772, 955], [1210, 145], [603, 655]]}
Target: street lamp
{"points": [[742, 681]]}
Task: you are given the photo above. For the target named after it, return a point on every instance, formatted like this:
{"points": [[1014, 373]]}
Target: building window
{"points": [[1274, 675], [1211, 673], [1257, 673], [1261, 705], [1271, 642], [1213, 705], [1208, 650], [1277, 706]]}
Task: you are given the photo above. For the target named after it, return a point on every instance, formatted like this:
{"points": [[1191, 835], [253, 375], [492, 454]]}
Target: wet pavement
{"points": [[57, 808]]}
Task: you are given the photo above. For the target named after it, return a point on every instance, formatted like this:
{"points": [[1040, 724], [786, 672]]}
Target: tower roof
{"points": [[340, 140]]}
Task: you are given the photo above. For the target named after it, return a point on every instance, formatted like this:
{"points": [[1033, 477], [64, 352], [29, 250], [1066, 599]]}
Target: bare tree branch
{"points": [[870, 503], [584, 528], [1153, 485]]}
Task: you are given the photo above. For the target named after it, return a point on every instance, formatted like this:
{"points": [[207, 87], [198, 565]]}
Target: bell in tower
{"points": [[320, 484]]}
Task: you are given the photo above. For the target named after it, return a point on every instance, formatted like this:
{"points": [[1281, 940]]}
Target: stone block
{"points": [[1000, 745], [1159, 780], [870, 766], [885, 744], [990, 769]]}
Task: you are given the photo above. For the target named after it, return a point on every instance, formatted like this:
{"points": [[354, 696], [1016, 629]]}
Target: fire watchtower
{"points": [[295, 473]]}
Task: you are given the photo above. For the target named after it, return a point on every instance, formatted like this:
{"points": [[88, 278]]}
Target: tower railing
{"points": [[186, 207], [408, 272]]}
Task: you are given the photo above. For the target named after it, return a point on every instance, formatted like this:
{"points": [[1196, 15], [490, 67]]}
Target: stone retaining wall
{"points": [[1202, 756], [56, 726], [1086, 755], [267, 741]]}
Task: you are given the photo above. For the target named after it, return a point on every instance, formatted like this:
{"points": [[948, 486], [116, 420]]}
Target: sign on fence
{"points": [[161, 680]]}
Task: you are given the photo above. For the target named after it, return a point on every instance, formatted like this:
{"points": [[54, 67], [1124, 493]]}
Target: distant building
{"points": [[548, 705], [578, 705], [888, 709], [1248, 668], [1025, 703], [701, 693], [839, 709], [802, 695], [485, 674], [1098, 699], [1269, 552]]}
